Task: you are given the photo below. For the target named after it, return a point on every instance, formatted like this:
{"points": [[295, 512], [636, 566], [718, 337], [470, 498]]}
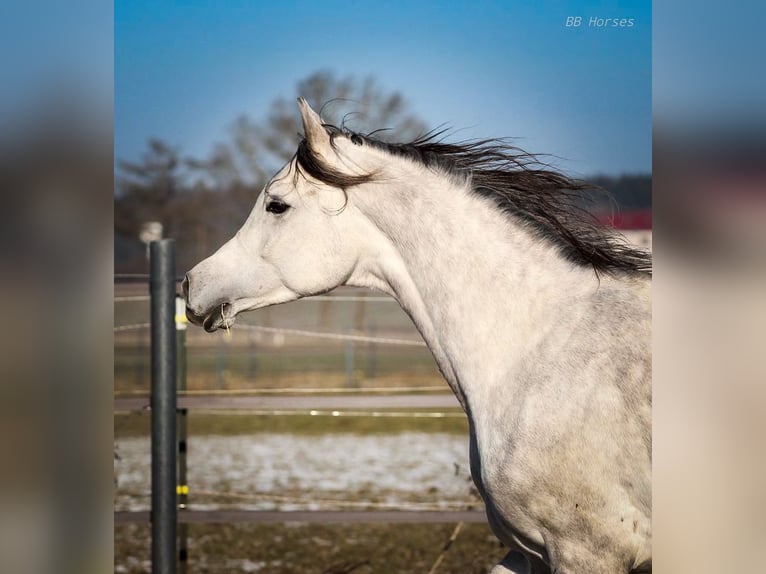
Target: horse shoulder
{"points": [[578, 456]]}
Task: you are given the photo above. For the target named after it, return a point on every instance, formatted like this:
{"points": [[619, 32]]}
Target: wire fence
{"points": [[368, 336], [280, 354]]}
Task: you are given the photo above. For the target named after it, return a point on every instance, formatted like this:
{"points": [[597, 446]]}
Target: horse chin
{"points": [[224, 316], [221, 318]]}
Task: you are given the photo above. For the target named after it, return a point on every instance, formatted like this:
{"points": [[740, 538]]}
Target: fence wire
{"points": [[335, 336], [121, 328], [303, 333]]}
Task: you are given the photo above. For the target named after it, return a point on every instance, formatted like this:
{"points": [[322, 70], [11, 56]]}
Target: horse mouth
{"points": [[221, 317]]}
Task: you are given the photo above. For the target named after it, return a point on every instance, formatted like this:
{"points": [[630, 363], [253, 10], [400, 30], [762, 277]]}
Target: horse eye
{"points": [[276, 206]]}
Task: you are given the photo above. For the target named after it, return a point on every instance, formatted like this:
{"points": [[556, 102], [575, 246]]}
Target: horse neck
{"points": [[480, 288]]}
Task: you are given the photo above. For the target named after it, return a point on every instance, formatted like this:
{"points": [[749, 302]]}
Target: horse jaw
{"points": [[227, 283]]}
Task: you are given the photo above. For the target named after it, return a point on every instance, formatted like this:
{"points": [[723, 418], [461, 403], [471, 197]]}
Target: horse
{"points": [[538, 318]]}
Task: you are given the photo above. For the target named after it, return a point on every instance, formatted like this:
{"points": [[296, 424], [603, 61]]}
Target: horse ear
{"points": [[316, 136]]}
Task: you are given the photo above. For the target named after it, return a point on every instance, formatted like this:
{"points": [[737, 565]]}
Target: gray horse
{"points": [[538, 320]]}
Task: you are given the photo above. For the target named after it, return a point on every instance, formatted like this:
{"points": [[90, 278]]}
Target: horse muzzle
{"points": [[216, 316]]}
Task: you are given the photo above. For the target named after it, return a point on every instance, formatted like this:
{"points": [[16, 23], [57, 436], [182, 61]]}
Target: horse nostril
{"points": [[185, 287]]}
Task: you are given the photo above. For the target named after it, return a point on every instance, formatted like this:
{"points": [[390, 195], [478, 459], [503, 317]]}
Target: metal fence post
{"points": [[183, 485], [163, 404]]}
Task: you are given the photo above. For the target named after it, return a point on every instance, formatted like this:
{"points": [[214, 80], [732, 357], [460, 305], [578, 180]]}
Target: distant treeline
{"points": [[629, 192]]}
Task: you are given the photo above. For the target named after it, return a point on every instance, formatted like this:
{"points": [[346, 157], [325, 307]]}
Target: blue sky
{"points": [[185, 70]]}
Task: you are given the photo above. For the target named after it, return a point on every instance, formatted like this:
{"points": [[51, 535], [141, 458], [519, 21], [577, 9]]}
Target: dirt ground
{"points": [[320, 549]]}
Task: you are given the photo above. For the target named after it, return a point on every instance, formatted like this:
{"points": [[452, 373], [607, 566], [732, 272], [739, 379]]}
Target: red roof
{"points": [[637, 219]]}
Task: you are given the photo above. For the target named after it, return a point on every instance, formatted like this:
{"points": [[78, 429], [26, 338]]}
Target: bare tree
{"points": [[146, 189], [257, 149], [239, 161], [362, 105]]}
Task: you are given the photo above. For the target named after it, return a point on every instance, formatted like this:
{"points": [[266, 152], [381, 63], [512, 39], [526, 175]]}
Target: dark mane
{"points": [[547, 202]]}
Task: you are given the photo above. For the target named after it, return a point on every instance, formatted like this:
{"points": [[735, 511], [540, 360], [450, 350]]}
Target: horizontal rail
{"points": [[327, 504], [310, 516], [339, 298], [136, 278], [292, 391], [336, 413], [132, 298], [306, 403]]}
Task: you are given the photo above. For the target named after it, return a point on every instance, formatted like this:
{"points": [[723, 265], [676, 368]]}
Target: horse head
{"points": [[303, 236]]}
